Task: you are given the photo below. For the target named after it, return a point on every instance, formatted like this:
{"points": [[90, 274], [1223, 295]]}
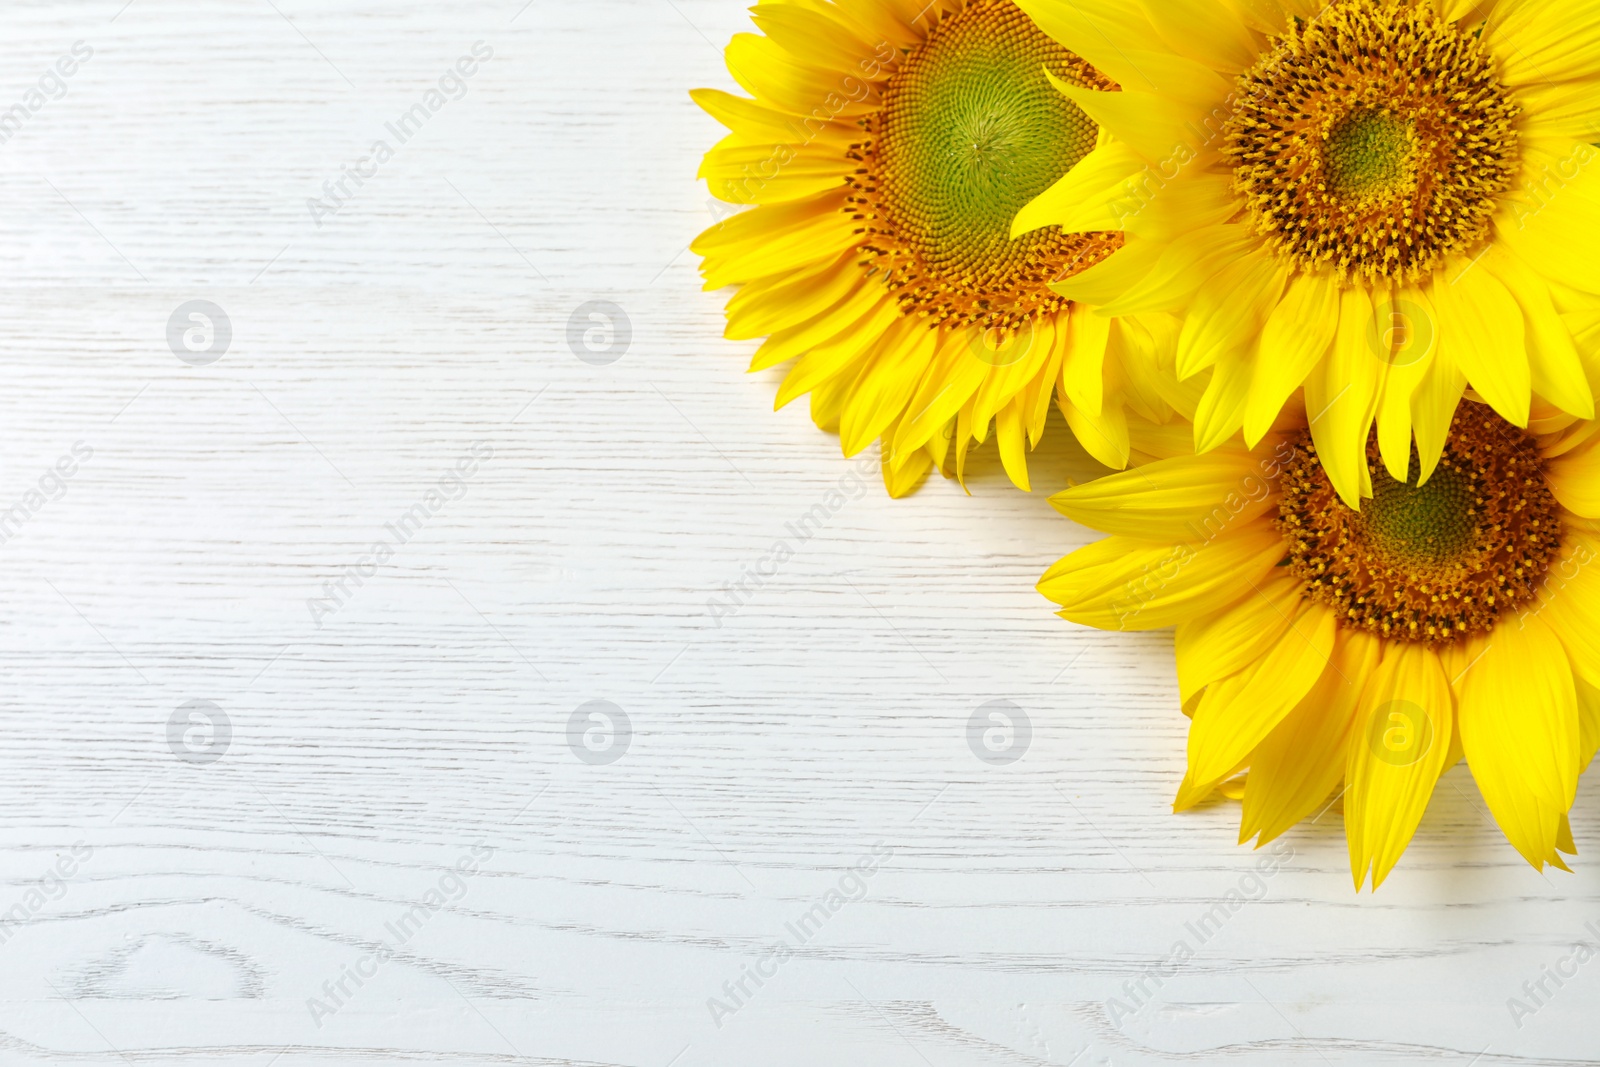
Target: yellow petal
{"points": [[768, 173], [1084, 198], [1551, 226], [1519, 727], [1123, 584], [1297, 335], [861, 315], [1184, 265], [1482, 330], [1167, 209], [1407, 319], [812, 37], [1271, 17], [786, 300], [1399, 743], [1188, 498], [1012, 439], [1083, 365], [1102, 31], [1035, 398], [1212, 647], [1574, 477], [1114, 275], [1237, 713], [1433, 407], [952, 378], [1143, 121], [1569, 604], [1016, 363], [1221, 410], [768, 72], [1299, 765], [752, 121], [1557, 370], [1588, 723], [905, 479], [1103, 436], [774, 238], [1301, 762], [838, 354], [1205, 31], [1229, 312], [1341, 396], [1542, 41], [1135, 365], [1570, 110], [898, 23], [885, 383]]}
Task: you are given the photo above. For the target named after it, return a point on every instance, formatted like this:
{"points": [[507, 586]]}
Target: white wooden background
{"points": [[208, 902]]}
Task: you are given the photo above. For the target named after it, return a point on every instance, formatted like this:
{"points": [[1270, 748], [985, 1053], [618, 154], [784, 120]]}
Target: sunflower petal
{"points": [[1221, 410], [1086, 198], [1399, 744], [1229, 312], [1211, 647], [1341, 396], [1236, 714], [1011, 436], [1102, 31], [1188, 498], [1557, 370], [1433, 408], [1297, 335], [1543, 41], [1298, 766], [1481, 328], [1103, 436], [885, 384], [1180, 270], [1520, 730], [1205, 31], [1123, 584]]}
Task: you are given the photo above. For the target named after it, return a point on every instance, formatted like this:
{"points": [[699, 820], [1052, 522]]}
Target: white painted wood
{"points": [[771, 749]]}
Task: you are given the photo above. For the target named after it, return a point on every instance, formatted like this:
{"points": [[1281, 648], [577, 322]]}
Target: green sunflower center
{"points": [[1368, 152], [1427, 524], [1434, 562], [972, 130]]}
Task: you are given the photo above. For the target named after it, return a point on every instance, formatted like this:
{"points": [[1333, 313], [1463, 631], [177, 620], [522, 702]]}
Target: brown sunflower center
{"points": [[1373, 140], [1433, 562], [971, 130]]}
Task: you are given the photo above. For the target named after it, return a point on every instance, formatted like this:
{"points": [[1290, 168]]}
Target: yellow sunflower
{"points": [[1319, 645], [886, 146], [1380, 201]]}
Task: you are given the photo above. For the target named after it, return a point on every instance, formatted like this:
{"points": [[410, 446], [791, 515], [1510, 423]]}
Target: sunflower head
{"points": [[971, 130], [1328, 653], [1372, 139], [1287, 173], [886, 148], [1432, 561]]}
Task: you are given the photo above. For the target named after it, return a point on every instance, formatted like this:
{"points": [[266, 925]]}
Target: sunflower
{"points": [[884, 149], [1318, 645], [1378, 202]]}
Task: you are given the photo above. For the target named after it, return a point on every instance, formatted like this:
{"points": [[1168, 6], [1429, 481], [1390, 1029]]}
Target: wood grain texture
{"points": [[154, 909]]}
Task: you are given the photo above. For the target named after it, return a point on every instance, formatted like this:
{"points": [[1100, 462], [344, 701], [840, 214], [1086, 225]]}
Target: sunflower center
{"points": [[1373, 140], [1369, 152], [1427, 524], [971, 130], [1435, 561]]}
